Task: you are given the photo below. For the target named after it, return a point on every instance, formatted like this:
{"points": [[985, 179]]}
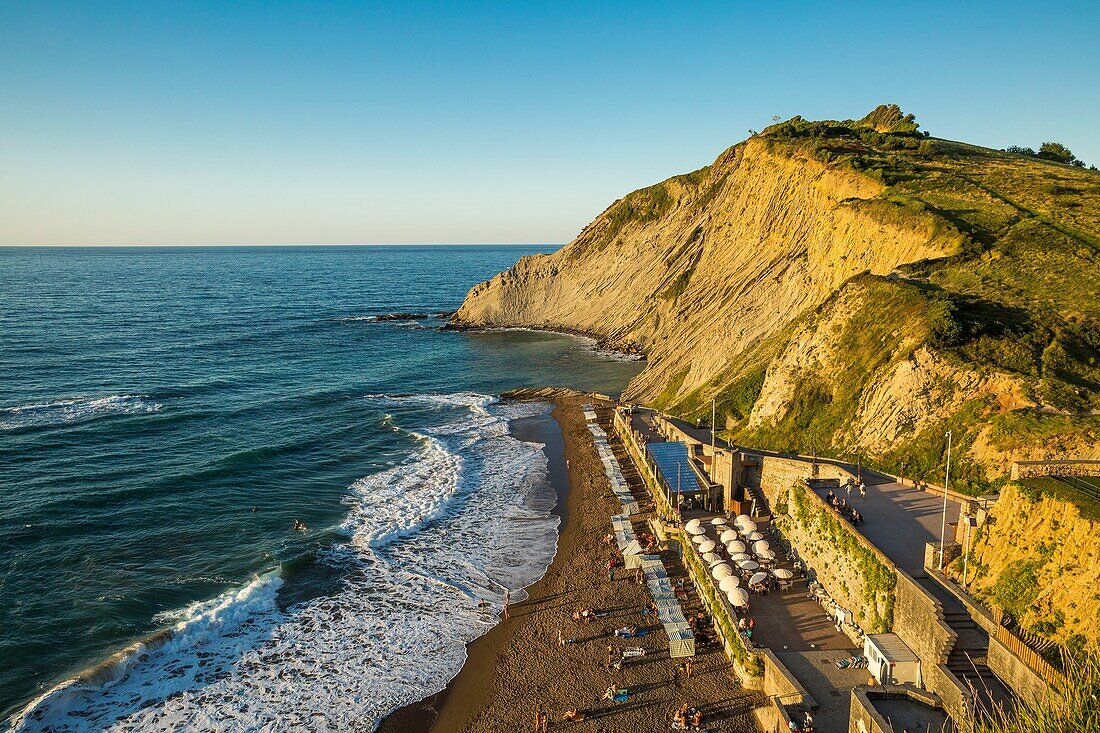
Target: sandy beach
{"points": [[520, 665]]}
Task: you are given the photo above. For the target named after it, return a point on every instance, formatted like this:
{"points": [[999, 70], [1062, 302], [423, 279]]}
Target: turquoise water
{"points": [[165, 417]]}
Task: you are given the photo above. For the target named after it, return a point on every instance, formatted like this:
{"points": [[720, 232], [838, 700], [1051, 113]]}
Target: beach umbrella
{"points": [[740, 556], [758, 578], [728, 536], [710, 558], [721, 572], [736, 546], [727, 584], [741, 519], [739, 598], [717, 520], [765, 555], [783, 573], [707, 546], [699, 539], [691, 525], [760, 545], [754, 536], [696, 530], [747, 526], [748, 565]]}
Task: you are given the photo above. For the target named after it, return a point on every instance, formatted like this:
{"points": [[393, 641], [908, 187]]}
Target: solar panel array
{"points": [[672, 460]]}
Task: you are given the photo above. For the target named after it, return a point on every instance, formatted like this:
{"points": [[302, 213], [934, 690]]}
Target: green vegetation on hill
{"points": [[1020, 297]]}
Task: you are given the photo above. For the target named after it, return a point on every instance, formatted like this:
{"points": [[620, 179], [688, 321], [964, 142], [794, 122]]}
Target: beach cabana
{"points": [[760, 545], [747, 526], [717, 521], [758, 578], [710, 558], [728, 536], [721, 571], [735, 546], [699, 539], [692, 525], [765, 555], [754, 536], [632, 555], [783, 574], [707, 546], [681, 640], [742, 518], [748, 565], [740, 556]]}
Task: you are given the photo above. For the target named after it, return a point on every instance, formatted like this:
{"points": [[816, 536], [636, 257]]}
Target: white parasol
{"points": [[727, 584], [739, 597], [721, 572]]}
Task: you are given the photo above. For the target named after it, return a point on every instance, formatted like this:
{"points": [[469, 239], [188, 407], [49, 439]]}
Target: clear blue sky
{"points": [[195, 123]]}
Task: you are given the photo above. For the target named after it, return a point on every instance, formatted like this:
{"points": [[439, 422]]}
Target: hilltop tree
{"points": [[1057, 152]]}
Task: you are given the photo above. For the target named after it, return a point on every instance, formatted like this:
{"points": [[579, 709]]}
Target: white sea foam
{"points": [[433, 544], [73, 410]]}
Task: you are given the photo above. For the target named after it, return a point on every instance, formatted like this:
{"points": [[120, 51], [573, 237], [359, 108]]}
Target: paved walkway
{"points": [[831, 687]]}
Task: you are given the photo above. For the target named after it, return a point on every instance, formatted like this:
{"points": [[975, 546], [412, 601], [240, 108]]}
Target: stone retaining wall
{"points": [[1031, 469]]}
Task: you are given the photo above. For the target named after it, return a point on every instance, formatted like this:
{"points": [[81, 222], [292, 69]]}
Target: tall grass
{"points": [[1072, 706]]}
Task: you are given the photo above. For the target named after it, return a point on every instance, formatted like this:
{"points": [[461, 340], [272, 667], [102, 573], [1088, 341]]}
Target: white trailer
{"points": [[890, 661]]}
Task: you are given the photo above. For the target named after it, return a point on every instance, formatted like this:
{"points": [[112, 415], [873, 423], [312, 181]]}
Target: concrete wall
{"points": [[1026, 469], [844, 567], [1015, 673], [862, 716], [918, 620], [772, 717], [781, 684]]}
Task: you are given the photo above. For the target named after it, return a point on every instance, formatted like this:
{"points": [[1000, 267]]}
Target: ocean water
{"points": [[165, 417]]}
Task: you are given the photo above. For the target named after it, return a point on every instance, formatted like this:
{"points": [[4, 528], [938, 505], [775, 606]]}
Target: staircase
{"points": [[967, 660]]}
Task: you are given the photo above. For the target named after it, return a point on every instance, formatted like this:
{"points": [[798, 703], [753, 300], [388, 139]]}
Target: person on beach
{"points": [[610, 654], [572, 715], [561, 638], [507, 602]]}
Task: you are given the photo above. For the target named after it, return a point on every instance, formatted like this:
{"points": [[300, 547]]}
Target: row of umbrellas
{"points": [[737, 542]]}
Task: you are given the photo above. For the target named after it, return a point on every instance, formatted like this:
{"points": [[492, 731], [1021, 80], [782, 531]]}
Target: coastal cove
{"points": [[194, 404]]}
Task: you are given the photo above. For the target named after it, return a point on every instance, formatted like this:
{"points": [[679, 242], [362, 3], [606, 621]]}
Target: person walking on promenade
{"points": [[862, 490]]}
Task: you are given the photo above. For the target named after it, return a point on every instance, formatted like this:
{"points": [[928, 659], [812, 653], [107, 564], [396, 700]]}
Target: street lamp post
{"points": [[946, 483]]}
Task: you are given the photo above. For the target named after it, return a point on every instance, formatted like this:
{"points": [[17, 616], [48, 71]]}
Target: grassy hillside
{"points": [[854, 288], [1021, 296]]}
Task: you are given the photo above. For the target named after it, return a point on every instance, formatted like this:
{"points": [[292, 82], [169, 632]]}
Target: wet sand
{"points": [[519, 664]]}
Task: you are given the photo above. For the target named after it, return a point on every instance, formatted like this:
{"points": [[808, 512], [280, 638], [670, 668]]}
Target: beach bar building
{"points": [[675, 471]]}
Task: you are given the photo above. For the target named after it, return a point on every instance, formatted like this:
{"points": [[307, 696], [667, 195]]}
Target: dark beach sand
{"points": [[519, 664]]}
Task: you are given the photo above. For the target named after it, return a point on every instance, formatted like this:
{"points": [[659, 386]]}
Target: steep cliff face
{"points": [[1039, 559], [697, 269], [843, 287]]}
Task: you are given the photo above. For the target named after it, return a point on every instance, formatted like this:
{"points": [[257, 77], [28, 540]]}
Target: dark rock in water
{"points": [[402, 316]]}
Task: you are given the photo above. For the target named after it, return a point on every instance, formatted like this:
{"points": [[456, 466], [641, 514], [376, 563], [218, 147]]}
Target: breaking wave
{"points": [[74, 410], [432, 545]]}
